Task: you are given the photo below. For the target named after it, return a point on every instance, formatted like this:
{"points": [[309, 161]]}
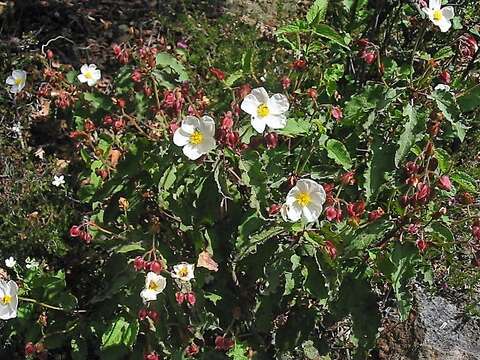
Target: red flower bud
{"points": [[244, 90], [337, 113], [376, 214], [223, 344], [330, 213], [121, 103], [86, 237], [411, 168], [227, 121], [286, 82], [219, 74], [421, 245], [138, 263], [136, 75], [274, 209], [232, 138], [151, 356], [312, 93], [156, 267], [192, 350], [154, 315], [328, 187], [369, 56], [147, 90], [107, 120], [119, 124], [29, 348], [49, 54], [412, 229], [191, 298], [75, 231], [299, 64], [423, 192], [271, 140], [348, 178], [180, 297], [330, 249], [88, 125], [444, 183], [445, 77], [142, 314]]}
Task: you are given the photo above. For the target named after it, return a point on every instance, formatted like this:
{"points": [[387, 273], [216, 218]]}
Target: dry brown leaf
{"points": [[205, 260], [114, 157]]}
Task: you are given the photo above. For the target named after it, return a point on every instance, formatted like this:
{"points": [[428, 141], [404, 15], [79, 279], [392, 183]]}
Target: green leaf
{"points": [[130, 248], [362, 238], [381, 161], [318, 10], [443, 158], [120, 333], [447, 105], [442, 232], [165, 60], [329, 33], [470, 100], [339, 153], [407, 138], [296, 127], [238, 352], [232, 78], [98, 101], [465, 181]]}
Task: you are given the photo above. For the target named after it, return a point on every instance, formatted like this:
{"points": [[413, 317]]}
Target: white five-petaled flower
{"points": [[304, 201], [58, 180], [438, 15], [8, 299], [183, 271], [89, 74], [266, 110], [196, 136], [154, 285], [17, 81], [10, 262]]}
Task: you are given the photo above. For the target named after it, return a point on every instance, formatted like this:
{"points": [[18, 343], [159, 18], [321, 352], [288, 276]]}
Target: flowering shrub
{"points": [[244, 212]]}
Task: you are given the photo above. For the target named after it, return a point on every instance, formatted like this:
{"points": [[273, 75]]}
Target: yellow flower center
{"points": [[88, 74], [18, 81], [263, 110], [303, 198], [437, 15], [183, 272], [196, 138], [7, 299], [153, 286]]}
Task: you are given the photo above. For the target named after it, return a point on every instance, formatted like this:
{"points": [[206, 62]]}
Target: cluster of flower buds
{"points": [[467, 46], [192, 350], [151, 356], [348, 178], [77, 231], [37, 350], [368, 51], [445, 77], [121, 54], [173, 100], [356, 210], [476, 229], [148, 56], [140, 264], [189, 297], [330, 249], [223, 343], [144, 313], [225, 134], [113, 122], [217, 73], [334, 213], [299, 64]]}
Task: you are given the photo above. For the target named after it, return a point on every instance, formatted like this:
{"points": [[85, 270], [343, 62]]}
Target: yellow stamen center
{"points": [[437, 15], [263, 110], [88, 74], [303, 198], [183, 272], [196, 138], [7, 299], [18, 81], [153, 286]]}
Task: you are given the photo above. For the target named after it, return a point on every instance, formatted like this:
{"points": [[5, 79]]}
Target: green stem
{"points": [[50, 306]]}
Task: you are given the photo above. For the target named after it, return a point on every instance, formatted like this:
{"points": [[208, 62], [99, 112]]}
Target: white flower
{"points": [[8, 299], [17, 128], [31, 263], [304, 201], [266, 110], [17, 81], [440, 17], [89, 74], [40, 153], [442, 87], [58, 180], [10, 262], [183, 271], [154, 285], [196, 136]]}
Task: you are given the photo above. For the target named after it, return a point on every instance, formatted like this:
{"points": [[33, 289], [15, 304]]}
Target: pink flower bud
{"points": [[337, 113], [444, 183]]}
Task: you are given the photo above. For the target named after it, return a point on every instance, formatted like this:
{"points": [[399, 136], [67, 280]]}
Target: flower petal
{"points": [[192, 151], [258, 124], [19, 74], [10, 80], [84, 68], [250, 104], [207, 144], [181, 137], [82, 78], [276, 121], [261, 95], [444, 24], [311, 213], [294, 212], [278, 104], [448, 12], [207, 126], [434, 4]]}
